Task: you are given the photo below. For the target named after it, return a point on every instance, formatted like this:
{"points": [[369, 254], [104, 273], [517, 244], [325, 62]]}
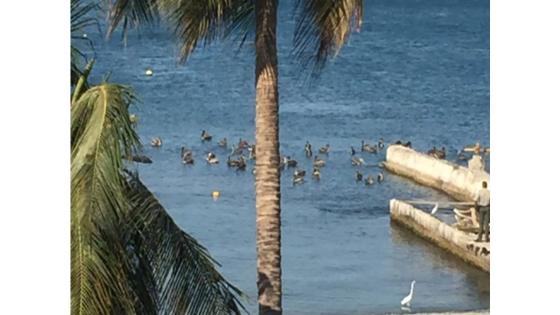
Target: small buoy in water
{"points": [[84, 35], [215, 195], [149, 72]]}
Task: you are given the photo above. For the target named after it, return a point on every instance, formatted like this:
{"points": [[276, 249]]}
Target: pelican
{"points": [[298, 177], [308, 151], [359, 176], [149, 72], [381, 144], [299, 173], [156, 142], [435, 209], [186, 156], [317, 162], [252, 152], [316, 173], [223, 143], [289, 162], [407, 299], [369, 148], [212, 159], [205, 136], [357, 161], [241, 164], [325, 149]]}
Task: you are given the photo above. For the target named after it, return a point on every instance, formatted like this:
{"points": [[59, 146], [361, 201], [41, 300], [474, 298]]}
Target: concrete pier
{"points": [[457, 181], [459, 243]]}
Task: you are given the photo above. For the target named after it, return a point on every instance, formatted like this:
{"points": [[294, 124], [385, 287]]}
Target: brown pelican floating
{"points": [[205, 136], [156, 142]]}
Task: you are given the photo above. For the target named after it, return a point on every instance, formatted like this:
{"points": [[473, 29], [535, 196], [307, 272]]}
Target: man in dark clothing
{"points": [[483, 209]]}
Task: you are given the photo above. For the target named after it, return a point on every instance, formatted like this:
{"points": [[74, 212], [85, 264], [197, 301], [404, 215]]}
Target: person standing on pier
{"points": [[483, 208]]}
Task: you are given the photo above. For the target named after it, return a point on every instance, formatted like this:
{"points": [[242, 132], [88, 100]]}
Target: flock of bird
{"points": [[243, 151]]}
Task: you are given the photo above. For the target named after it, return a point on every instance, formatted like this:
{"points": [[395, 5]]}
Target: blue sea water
{"points": [[418, 70]]}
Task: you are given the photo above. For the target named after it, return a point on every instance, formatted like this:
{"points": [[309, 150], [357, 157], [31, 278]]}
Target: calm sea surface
{"points": [[418, 70]]}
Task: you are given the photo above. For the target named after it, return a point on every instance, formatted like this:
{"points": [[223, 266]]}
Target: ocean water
{"points": [[418, 71]]}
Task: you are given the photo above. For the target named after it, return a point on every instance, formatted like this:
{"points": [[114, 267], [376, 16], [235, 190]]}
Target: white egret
{"points": [[435, 209], [407, 299]]}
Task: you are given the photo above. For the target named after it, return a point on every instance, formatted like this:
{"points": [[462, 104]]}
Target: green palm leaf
{"points": [[193, 21], [183, 269], [128, 257], [322, 28], [100, 264]]}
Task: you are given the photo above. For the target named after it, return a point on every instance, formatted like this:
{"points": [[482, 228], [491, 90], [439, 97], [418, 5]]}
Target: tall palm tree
{"points": [[321, 29], [127, 254]]}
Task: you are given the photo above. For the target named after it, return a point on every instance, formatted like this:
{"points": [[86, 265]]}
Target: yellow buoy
{"points": [[215, 195]]}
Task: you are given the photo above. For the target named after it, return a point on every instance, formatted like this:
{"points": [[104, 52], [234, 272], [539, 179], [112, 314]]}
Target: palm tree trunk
{"points": [[267, 183]]}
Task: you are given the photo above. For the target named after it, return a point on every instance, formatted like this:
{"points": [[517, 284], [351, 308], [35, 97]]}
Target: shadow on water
{"points": [[479, 280]]}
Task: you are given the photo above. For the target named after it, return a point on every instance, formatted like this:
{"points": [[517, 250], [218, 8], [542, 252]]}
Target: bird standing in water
{"points": [[407, 299]]}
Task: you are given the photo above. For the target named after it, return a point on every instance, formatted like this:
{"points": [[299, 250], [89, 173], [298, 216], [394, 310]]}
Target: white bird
{"points": [[407, 299], [435, 209]]}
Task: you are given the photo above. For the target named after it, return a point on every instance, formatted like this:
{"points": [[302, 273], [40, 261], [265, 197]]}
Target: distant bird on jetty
{"points": [[316, 173], [359, 176], [408, 144], [212, 159], [223, 143], [438, 154], [308, 150], [379, 177], [407, 299], [205, 136], [325, 149], [318, 162], [369, 180], [156, 142], [435, 209], [149, 72]]}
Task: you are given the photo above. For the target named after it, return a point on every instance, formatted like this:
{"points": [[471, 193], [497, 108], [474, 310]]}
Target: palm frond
{"points": [[193, 21], [322, 27], [131, 13], [101, 269], [128, 256], [205, 21], [81, 17], [185, 273]]}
